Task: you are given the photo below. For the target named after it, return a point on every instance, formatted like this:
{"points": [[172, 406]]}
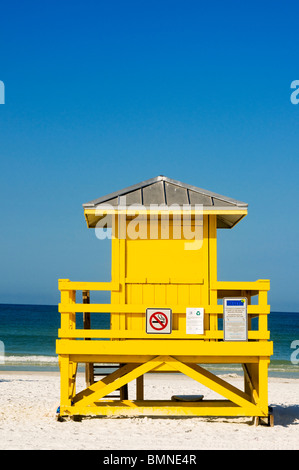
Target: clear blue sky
{"points": [[104, 94]]}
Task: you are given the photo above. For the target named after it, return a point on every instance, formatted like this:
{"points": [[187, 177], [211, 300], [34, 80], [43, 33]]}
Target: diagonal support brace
{"points": [[116, 380], [215, 383]]}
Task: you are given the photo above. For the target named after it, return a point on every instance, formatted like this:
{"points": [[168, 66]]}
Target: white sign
{"points": [[194, 321], [235, 324], [158, 320]]}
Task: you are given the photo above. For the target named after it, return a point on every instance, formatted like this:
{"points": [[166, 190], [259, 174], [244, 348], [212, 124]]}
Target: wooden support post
{"points": [[263, 383], [140, 388], [65, 381], [256, 382], [89, 371]]}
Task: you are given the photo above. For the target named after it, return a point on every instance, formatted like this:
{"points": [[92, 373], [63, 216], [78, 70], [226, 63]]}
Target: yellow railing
{"points": [[68, 309]]}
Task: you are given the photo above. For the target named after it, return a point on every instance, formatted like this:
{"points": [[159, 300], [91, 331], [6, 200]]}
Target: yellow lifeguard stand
{"points": [[164, 308]]}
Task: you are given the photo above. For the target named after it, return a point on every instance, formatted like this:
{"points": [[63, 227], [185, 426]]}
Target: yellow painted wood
{"points": [[129, 408], [141, 334], [141, 308], [162, 347], [65, 380], [97, 213], [73, 367], [260, 285], [97, 391], [66, 285], [68, 318], [195, 359], [250, 387], [122, 293], [116, 274], [212, 227], [263, 383], [164, 280]]}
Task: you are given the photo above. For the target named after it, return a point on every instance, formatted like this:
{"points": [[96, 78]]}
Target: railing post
{"points": [[68, 369], [64, 298], [263, 318], [68, 319], [246, 293]]}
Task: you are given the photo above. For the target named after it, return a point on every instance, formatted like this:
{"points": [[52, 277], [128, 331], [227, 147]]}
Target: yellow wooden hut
{"points": [[168, 312]]}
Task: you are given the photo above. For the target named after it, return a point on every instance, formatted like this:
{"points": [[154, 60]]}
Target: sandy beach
{"points": [[28, 403]]}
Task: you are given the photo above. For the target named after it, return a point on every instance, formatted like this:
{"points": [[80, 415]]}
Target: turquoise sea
{"points": [[28, 334]]}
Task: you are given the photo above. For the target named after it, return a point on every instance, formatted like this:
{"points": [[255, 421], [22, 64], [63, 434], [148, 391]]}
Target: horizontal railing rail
{"points": [[140, 308], [140, 334], [66, 285], [69, 308], [262, 285]]}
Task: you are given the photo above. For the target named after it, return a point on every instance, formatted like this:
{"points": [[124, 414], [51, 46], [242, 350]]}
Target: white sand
{"points": [[28, 403]]}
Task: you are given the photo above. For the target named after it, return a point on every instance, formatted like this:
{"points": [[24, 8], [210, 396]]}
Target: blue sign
{"points": [[231, 303]]}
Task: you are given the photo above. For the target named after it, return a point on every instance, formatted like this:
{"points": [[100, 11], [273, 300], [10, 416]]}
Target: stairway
{"points": [[96, 372]]}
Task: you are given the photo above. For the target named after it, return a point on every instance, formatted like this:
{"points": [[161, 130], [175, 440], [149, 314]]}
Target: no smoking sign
{"points": [[158, 320]]}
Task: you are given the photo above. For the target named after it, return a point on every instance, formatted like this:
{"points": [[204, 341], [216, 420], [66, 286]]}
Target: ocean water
{"points": [[28, 334]]}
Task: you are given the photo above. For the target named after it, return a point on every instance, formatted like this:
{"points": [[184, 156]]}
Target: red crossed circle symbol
{"points": [[160, 320]]}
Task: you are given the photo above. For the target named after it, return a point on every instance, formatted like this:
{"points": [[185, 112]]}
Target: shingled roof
{"points": [[165, 191]]}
